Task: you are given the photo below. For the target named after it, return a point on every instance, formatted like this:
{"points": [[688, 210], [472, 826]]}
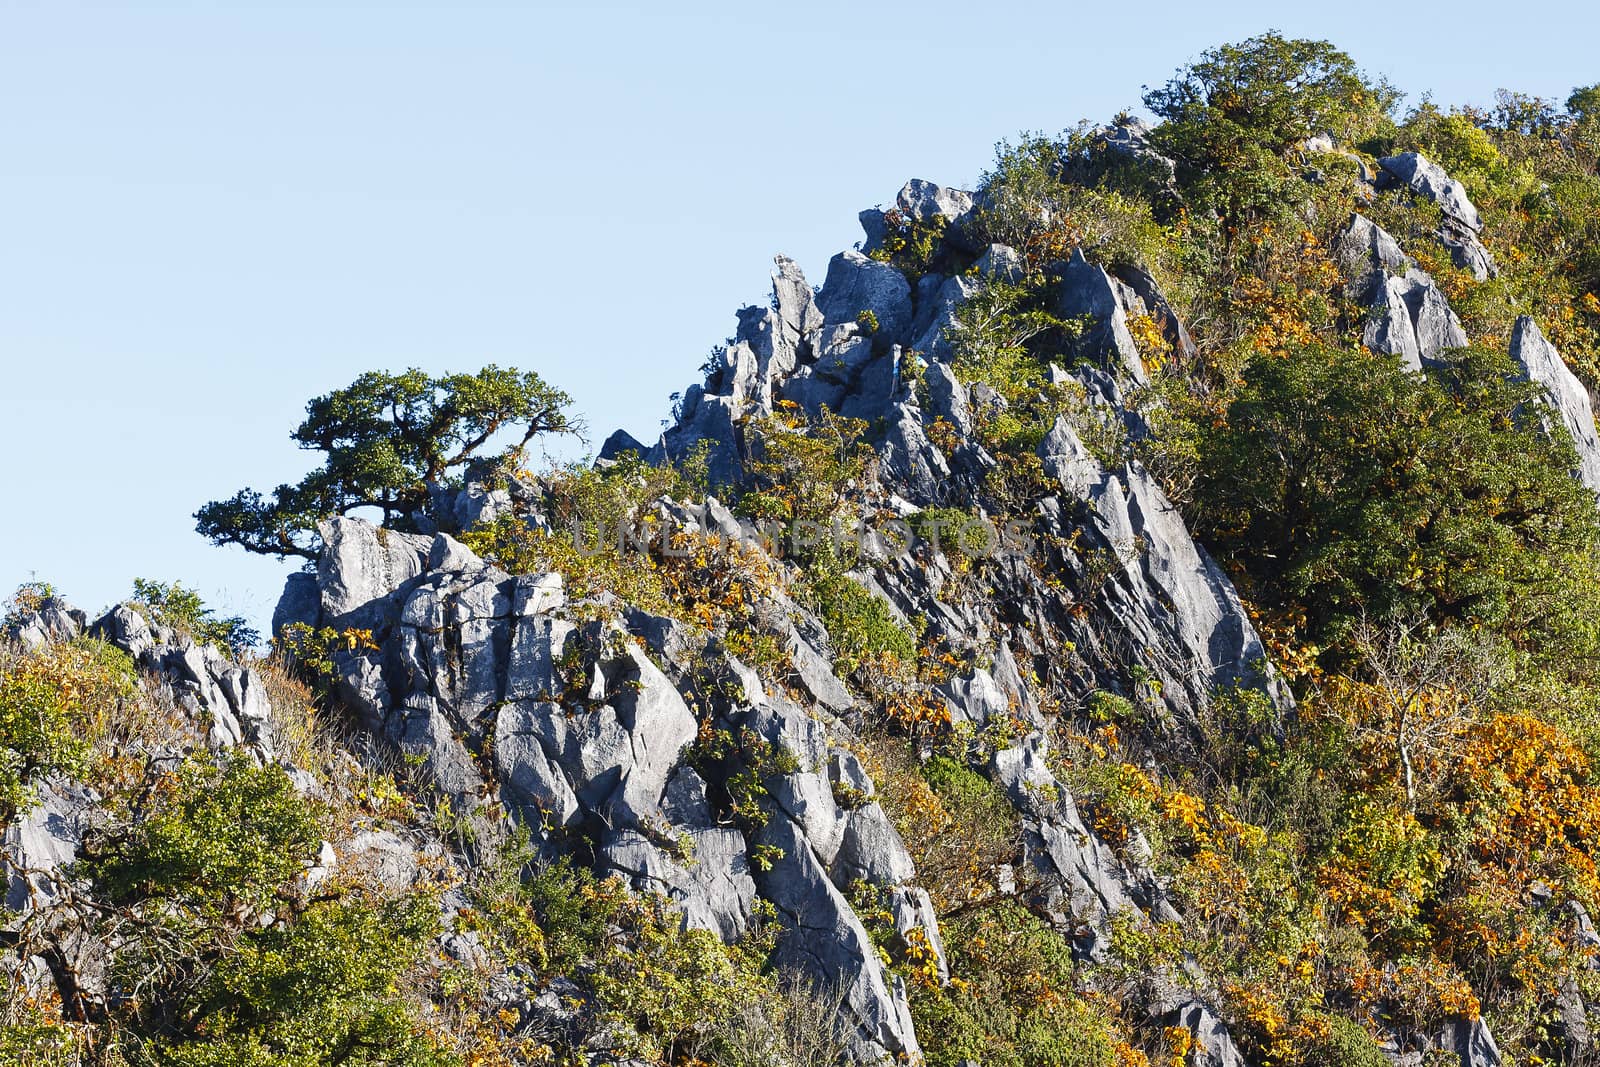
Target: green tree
{"points": [[320, 991], [1233, 117], [220, 839], [388, 440], [1353, 487]]}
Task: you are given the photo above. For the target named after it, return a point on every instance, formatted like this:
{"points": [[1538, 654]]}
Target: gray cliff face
{"points": [[521, 706], [1408, 315]]}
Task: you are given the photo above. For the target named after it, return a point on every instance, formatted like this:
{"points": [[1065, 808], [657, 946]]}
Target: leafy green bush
{"points": [[1011, 1003], [320, 991], [667, 993], [1348, 485], [183, 610], [29, 597], [860, 625], [1036, 207], [219, 838], [594, 538], [1233, 117], [54, 701], [804, 469], [1345, 1044], [911, 246]]}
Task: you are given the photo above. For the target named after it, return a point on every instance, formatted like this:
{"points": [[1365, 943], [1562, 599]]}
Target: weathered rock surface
{"points": [[1569, 400], [1408, 314], [38, 847], [1083, 884], [52, 620], [857, 284], [1088, 291], [1160, 590], [1461, 222]]}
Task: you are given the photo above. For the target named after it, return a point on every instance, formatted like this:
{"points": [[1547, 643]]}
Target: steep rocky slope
{"points": [[731, 757]]}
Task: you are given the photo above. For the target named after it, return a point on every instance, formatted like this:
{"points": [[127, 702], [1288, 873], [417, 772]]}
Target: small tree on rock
{"points": [[389, 440]]}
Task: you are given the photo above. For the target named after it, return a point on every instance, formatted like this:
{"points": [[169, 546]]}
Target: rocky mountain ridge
{"points": [[642, 745]]}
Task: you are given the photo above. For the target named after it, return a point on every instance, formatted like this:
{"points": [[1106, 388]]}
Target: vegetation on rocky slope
{"points": [[1407, 847]]}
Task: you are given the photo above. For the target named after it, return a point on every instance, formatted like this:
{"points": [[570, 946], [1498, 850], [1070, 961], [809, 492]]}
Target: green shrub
{"points": [[29, 597], [183, 610], [54, 702], [1350, 486], [1034, 206], [667, 993], [1105, 707], [860, 625], [219, 837], [1346, 1044], [1012, 1003], [805, 470], [320, 991]]}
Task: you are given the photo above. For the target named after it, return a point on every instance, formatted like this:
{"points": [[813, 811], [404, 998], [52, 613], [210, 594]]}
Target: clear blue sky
{"points": [[210, 212]]}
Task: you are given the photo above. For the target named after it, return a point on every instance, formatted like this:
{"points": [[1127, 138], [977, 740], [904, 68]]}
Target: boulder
{"points": [[915, 921], [1084, 884], [871, 851], [1001, 262], [921, 200], [936, 317], [1365, 247], [707, 874], [300, 602], [1408, 314], [361, 566], [130, 631], [856, 283], [947, 398], [53, 620], [1428, 179], [826, 941], [1158, 307]]}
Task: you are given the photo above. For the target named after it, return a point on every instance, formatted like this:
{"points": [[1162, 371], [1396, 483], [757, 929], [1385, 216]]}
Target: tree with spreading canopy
{"points": [[1232, 118], [390, 440], [1348, 485]]}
